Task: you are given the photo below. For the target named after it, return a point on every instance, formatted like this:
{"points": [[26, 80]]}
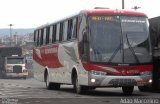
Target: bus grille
{"points": [[17, 69], [123, 82]]}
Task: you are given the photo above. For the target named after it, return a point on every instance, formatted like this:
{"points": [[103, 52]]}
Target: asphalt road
{"points": [[31, 91]]}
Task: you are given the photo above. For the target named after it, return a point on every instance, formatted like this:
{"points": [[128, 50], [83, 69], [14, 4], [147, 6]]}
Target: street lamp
{"points": [[136, 7], [10, 25], [122, 4]]}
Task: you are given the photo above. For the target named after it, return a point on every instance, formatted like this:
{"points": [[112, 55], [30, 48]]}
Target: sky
{"points": [[34, 13]]}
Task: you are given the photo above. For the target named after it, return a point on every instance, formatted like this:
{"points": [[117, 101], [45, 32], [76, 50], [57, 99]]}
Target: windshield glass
{"points": [[15, 60], [105, 39], [135, 39], [119, 39]]}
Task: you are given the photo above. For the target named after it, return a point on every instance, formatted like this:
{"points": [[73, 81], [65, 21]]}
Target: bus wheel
{"points": [[91, 88], [79, 88], [144, 88], [25, 77], [158, 85], [1, 74], [50, 85], [127, 90]]}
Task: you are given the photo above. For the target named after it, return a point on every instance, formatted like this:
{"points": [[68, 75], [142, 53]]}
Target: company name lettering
{"points": [[51, 50], [133, 21]]}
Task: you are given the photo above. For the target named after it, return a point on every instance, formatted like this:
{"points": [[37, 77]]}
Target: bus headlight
{"points": [[93, 80], [25, 71], [94, 72], [9, 68], [9, 71], [150, 81], [146, 73]]}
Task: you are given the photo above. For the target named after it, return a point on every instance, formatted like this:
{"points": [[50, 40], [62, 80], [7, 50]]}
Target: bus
{"points": [[154, 28], [94, 48]]}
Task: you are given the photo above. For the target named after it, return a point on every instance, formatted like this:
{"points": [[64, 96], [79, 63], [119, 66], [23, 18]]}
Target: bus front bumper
{"points": [[17, 75], [119, 81]]}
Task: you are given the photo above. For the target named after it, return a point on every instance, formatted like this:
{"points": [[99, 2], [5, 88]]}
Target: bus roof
{"points": [[112, 12], [98, 11]]}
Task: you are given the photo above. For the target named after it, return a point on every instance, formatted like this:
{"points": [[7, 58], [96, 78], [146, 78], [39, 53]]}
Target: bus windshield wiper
{"points": [[115, 52], [130, 47]]}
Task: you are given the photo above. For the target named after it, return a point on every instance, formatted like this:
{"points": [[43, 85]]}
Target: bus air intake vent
{"points": [[123, 82]]}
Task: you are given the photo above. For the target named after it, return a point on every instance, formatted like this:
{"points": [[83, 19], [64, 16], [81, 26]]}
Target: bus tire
{"points": [[91, 88], [127, 90], [1, 75], [155, 75], [50, 85], [158, 89], [24, 77], [77, 87], [144, 88], [156, 85]]}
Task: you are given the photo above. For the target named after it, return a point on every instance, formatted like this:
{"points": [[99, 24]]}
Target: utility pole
{"points": [[123, 4], [136, 7], [15, 38], [10, 25]]}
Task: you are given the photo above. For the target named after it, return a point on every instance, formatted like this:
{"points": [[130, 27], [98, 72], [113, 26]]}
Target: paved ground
{"points": [[31, 91]]}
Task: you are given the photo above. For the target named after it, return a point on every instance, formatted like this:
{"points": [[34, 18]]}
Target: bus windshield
{"points": [[15, 61], [119, 39]]}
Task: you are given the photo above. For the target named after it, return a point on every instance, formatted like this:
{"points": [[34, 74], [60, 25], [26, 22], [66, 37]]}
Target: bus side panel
{"points": [[38, 71], [59, 60], [83, 75], [69, 58]]}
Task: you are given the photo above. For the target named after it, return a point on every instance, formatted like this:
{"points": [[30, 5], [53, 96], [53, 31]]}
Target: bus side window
{"points": [[61, 32], [57, 32], [65, 30], [36, 38], [54, 33], [50, 34], [83, 44], [74, 30], [69, 32], [47, 35], [41, 37], [44, 36]]}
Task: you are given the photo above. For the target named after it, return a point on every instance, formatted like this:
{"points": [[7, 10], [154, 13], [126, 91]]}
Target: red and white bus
{"points": [[94, 48]]}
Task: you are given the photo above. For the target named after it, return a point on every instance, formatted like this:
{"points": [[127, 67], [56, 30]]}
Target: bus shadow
{"points": [[102, 93]]}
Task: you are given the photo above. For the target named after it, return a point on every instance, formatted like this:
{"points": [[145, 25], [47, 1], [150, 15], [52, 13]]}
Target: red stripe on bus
{"points": [[118, 70], [47, 56]]}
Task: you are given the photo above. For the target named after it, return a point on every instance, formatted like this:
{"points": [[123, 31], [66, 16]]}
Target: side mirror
{"points": [[85, 39]]}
